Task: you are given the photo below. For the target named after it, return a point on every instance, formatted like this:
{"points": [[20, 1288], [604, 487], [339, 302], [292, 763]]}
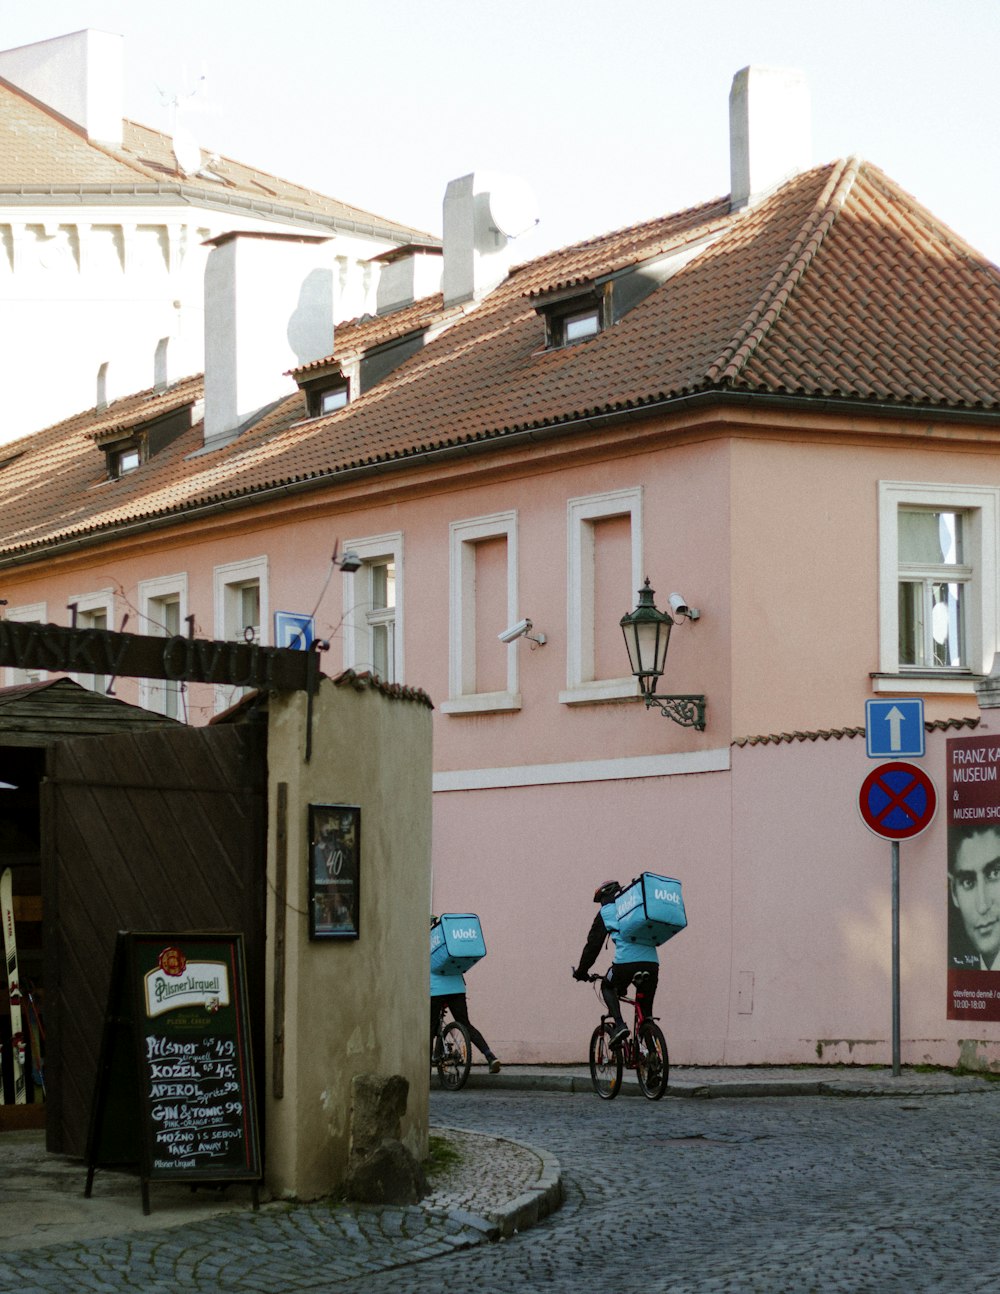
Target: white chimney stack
{"points": [[81, 76], [268, 309], [769, 131], [407, 275], [483, 213]]}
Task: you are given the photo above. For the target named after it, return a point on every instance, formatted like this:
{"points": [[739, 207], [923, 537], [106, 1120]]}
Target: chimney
{"points": [[483, 214], [81, 76], [268, 309], [769, 131], [408, 273]]}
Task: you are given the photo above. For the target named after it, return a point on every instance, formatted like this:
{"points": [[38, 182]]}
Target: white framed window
{"points": [[604, 572], [163, 610], [938, 567], [34, 613], [483, 601], [241, 612], [373, 607], [94, 611]]}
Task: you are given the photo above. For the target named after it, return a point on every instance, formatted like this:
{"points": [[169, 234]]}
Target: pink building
{"points": [[783, 405]]}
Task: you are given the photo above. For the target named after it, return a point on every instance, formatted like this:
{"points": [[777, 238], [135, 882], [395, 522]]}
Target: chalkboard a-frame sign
{"points": [[175, 1086]]}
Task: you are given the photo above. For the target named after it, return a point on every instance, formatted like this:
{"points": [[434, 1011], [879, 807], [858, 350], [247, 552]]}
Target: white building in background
{"points": [[103, 232]]}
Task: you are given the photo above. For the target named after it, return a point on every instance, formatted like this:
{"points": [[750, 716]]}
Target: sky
{"points": [[612, 112]]}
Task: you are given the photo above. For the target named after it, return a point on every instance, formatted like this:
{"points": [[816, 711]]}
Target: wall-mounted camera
{"points": [[521, 630]]}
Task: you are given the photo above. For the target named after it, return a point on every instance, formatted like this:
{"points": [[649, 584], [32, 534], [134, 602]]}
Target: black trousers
{"points": [[456, 1004], [619, 976]]}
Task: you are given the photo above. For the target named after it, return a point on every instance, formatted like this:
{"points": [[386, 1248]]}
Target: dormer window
{"points": [[127, 446], [325, 386], [573, 315]]}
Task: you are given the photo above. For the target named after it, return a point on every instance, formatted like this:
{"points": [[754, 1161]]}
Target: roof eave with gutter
{"points": [[486, 442]]}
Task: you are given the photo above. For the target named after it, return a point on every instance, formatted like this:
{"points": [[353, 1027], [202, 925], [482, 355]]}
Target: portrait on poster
{"points": [[334, 871], [973, 894]]}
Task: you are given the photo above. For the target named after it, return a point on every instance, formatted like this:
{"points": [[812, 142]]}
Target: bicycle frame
{"points": [[630, 1045], [643, 1050]]}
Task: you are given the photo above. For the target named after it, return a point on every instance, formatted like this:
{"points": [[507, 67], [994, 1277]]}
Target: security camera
{"points": [[679, 607], [515, 631]]}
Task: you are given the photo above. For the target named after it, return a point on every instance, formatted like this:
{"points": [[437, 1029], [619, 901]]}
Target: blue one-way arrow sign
{"points": [[894, 728]]}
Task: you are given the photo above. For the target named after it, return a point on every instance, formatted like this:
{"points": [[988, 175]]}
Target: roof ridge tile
{"points": [[728, 364]]}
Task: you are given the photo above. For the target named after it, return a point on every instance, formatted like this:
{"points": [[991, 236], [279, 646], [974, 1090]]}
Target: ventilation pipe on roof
{"points": [[81, 76], [268, 309], [483, 213], [769, 131], [407, 274]]}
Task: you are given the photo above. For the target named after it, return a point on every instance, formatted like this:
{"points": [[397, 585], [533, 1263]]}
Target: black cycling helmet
{"points": [[606, 892]]}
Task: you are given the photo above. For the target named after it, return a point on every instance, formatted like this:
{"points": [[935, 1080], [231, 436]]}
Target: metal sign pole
{"points": [[895, 959]]}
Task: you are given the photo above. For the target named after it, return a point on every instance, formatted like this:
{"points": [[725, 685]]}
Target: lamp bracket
{"points": [[688, 711]]}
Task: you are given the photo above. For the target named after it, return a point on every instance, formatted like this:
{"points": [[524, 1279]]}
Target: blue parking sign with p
{"points": [[895, 728]]}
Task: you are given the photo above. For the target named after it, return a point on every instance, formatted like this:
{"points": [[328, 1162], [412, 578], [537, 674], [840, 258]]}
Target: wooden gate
{"points": [[159, 830]]}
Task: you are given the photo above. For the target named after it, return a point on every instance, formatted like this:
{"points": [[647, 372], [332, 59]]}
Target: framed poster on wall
{"points": [[334, 871]]}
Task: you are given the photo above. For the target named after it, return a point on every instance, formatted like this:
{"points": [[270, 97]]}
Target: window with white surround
{"points": [[163, 608], [604, 572], [938, 568], [373, 607], [483, 672], [94, 611], [31, 613], [241, 612]]}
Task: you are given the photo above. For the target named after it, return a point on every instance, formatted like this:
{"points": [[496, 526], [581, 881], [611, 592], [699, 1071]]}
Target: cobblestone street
{"points": [[783, 1194], [778, 1195]]}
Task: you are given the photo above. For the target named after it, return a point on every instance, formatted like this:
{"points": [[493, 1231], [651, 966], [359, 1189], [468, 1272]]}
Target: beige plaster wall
{"points": [[352, 1006]]}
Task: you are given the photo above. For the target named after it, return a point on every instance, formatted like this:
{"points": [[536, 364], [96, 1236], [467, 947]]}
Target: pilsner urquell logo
{"points": [[177, 982], [172, 961]]}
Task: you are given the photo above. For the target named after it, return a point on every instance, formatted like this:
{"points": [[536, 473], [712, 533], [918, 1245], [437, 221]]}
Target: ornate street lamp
{"points": [[647, 637]]}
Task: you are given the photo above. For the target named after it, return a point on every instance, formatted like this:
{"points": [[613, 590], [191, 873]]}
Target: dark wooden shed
{"points": [[33, 717]]}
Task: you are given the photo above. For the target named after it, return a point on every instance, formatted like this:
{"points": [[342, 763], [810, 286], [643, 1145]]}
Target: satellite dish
{"points": [[186, 151], [513, 206]]}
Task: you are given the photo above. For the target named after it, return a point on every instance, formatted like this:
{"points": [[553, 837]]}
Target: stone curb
{"points": [[526, 1209], [574, 1083]]}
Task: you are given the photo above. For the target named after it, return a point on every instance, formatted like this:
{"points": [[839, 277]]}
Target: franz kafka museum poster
{"points": [[974, 878]]}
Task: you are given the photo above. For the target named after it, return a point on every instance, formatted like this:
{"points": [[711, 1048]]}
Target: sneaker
{"points": [[494, 1066], [619, 1035]]}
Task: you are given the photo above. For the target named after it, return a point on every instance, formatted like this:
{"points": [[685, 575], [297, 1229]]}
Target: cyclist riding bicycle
{"points": [[448, 994], [630, 958]]}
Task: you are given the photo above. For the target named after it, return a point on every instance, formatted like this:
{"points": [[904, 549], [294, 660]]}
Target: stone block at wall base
{"points": [[388, 1175]]}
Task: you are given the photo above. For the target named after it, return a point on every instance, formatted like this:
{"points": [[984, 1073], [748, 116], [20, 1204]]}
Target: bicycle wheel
{"points": [[652, 1063], [455, 1059], [605, 1064]]}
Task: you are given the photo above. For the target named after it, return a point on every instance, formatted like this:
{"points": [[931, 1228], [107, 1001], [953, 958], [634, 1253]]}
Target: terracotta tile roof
{"points": [[838, 286], [363, 334], [43, 153], [837, 734]]}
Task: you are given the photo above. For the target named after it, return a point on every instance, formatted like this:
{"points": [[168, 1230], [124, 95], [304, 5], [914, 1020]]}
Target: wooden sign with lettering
{"points": [[175, 1088], [120, 655]]}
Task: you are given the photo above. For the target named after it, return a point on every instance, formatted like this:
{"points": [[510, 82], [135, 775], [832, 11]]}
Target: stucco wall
{"points": [[812, 912], [352, 1006], [527, 860]]}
